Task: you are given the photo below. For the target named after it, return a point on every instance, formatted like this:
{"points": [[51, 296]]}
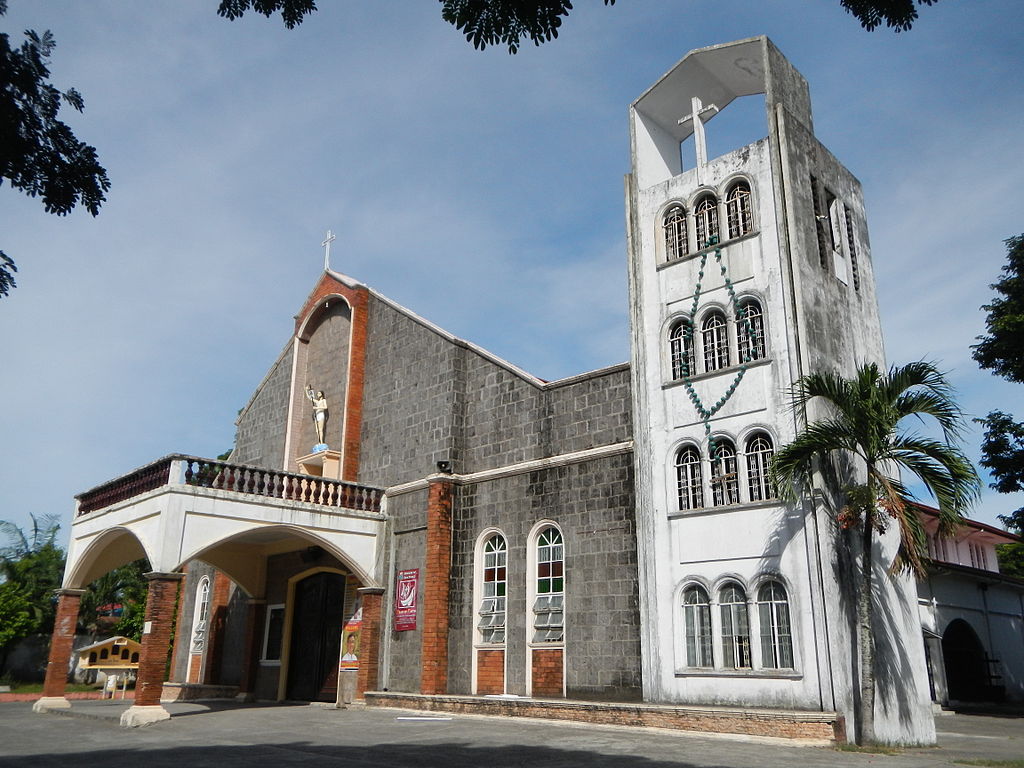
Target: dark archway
{"points": [[317, 619], [967, 675]]}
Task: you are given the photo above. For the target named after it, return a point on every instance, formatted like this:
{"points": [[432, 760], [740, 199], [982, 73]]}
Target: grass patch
{"points": [[38, 688], [871, 749], [993, 763]]}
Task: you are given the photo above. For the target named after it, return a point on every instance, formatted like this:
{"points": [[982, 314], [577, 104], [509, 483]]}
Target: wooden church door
{"points": [[317, 621]]}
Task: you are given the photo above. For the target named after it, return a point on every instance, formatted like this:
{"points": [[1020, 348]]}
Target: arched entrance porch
{"points": [[966, 664]]}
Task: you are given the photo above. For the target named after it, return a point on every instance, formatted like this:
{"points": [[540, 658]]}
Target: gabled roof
{"points": [[1008, 538]]}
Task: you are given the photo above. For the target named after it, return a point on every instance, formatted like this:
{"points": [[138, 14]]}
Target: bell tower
{"points": [[747, 271]]}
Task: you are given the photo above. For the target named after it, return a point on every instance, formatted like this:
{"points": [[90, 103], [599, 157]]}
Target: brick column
{"points": [[434, 654], [156, 639], [254, 623], [61, 643], [369, 642]]}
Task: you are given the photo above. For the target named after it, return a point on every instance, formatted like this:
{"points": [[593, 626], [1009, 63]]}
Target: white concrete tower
{"points": [[745, 601]]}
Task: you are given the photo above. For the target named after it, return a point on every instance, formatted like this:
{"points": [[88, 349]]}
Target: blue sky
{"points": [[482, 190]]}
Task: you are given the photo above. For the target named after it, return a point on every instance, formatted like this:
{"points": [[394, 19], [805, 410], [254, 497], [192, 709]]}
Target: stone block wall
{"points": [[261, 426]]}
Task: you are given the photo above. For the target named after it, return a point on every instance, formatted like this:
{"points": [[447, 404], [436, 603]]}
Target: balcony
{"points": [[232, 516]]}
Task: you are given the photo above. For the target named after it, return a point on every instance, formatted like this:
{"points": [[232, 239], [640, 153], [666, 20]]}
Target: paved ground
{"points": [[228, 736]]}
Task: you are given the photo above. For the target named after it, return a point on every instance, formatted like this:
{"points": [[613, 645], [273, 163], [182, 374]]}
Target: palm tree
{"points": [[866, 424]]}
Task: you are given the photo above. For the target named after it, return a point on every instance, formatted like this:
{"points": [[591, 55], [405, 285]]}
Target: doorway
{"points": [[317, 620], [967, 674]]}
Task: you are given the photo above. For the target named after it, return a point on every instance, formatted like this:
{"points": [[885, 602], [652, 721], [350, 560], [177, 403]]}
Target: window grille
{"points": [[735, 627], [715, 338], [851, 242], [776, 633], [751, 345], [759, 459], [549, 607], [684, 362], [674, 225], [738, 210], [690, 483], [495, 578], [199, 620], [821, 227], [725, 487], [697, 627], [707, 221]]}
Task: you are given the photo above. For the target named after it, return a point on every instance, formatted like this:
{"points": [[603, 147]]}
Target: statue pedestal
{"points": [[325, 463]]}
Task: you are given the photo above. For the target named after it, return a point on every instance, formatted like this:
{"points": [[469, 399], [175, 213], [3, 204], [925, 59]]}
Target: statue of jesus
{"points": [[319, 413]]}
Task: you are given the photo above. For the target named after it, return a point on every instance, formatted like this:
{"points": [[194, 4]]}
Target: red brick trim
{"points": [[546, 671], [163, 591], [180, 672], [436, 583], [369, 642], [219, 593], [61, 642], [821, 727], [359, 300], [490, 672]]}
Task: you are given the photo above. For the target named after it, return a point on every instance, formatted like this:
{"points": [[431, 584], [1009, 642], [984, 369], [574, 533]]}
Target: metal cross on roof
{"points": [[327, 249]]}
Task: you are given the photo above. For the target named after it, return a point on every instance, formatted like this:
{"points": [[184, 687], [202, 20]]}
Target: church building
{"points": [[406, 514]]}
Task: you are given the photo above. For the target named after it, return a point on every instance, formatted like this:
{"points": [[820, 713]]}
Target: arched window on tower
{"points": [[674, 228], [706, 214], [725, 486], [495, 578], [689, 480], [750, 331], [549, 608], [735, 627], [200, 618], [715, 338], [680, 342], [697, 627], [776, 633], [759, 459], [739, 210]]}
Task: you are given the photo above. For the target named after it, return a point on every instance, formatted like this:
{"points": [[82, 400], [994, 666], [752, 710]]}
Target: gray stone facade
{"points": [[260, 434]]}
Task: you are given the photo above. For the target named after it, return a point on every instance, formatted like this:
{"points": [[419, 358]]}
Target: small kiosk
{"points": [[117, 657]]}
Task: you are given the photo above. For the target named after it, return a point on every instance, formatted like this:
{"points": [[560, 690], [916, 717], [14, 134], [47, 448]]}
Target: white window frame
{"points": [[687, 485], [674, 236], [200, 618], [736, 613], [758, 465], [706, 221], [771, 633], [728, 491], [714, 339], [739, 209], [697, 616], [264, 661], [757, 347]]}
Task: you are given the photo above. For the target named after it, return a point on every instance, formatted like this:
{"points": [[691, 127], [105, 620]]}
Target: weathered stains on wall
{"points": [[261, 426]]}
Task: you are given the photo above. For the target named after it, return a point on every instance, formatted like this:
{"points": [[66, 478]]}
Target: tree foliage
{"points": [[125, 585], [1001, 350], [511, 22], [34, 564], [39, 154], [866, 424]]}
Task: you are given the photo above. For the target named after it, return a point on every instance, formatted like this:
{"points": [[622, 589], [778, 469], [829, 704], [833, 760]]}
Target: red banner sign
{"points": [[405, 599]]}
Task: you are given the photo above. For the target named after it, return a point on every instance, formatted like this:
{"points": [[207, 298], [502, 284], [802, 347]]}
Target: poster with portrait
{"points": [[350, 638], [405, 599]]}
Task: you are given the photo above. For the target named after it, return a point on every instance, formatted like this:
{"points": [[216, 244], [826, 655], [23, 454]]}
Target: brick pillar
{"points": [[61, 643], [254, 623], [159, 621], [434, 654], [182, 635], [369, 642]]}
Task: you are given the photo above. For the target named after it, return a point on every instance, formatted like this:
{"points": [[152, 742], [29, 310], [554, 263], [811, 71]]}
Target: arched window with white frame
{"points": [[697, 627], [725, 486], [680, 343], [200, 616], [732, 602], [776, 631], [715, 339], [706, 216], [759, 458], [739, 210], [549, 606], [750, 331], [494, 581], [674, 229], [689, 479]]}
